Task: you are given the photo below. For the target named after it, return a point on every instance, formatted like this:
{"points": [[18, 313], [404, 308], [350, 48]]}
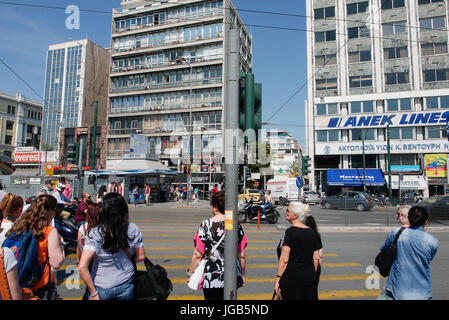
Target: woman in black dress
{"points": [[299, 257]]}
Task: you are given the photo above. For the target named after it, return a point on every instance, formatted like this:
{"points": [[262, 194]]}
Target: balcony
{"points": [[162, 108], [160, 86]]}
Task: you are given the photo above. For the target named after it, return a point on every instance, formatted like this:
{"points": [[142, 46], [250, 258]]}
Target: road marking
{"points": [[322, 295], [248, 256], [183, 241]]}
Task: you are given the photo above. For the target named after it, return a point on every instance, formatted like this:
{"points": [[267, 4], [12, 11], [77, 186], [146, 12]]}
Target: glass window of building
{"points": [[362, 107], [396, 53], [437, 102], [437, 132], [357, 161], [358, 7], [432, 23], [359, 134], [360, 81], [323, 13], [428, 1], [391, 4], [430, 49], [359, 56]]}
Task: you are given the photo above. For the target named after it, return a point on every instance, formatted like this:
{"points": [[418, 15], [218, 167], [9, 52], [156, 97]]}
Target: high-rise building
{"points": [[77, 75], [168, 78], [380, 76], [284, 151]]}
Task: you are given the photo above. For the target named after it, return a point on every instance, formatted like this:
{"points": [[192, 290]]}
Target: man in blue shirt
{"points": [[409, 277]]}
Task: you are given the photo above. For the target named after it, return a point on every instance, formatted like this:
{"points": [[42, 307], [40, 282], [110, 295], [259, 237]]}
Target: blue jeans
{"points": [[124, 291]]}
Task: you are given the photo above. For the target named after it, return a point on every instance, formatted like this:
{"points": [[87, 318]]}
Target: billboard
{"points": [[27, 157], [436, 165]]}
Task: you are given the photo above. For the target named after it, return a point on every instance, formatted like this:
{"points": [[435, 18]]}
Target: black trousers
{"points": [[213, 294]]}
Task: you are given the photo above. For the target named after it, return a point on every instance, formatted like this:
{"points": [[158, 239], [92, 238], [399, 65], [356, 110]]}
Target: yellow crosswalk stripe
{"points": [[183, 241]]}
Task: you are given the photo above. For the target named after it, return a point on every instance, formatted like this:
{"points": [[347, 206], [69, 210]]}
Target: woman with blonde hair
{"points": [[11, 206], [299, 256], [50, 250]]}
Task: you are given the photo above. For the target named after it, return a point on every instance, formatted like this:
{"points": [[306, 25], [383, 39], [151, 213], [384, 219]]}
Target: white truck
{"points": [[285, 188]]}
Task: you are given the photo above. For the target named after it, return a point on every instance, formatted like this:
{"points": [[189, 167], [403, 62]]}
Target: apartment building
{"points": [[168, 79], [380, 73]]}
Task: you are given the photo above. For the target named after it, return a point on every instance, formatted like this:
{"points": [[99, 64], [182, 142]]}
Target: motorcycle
{"points": [[67, 228], [249, 212], [283, 201]]}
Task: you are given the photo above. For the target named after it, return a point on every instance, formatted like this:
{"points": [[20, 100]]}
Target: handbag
{"points": [[151, 284], [384, 260], [196, 278]]}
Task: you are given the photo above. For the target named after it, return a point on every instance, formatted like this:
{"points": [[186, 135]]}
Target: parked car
{"points": [[438, 207], [310, 197], [349, 200]]}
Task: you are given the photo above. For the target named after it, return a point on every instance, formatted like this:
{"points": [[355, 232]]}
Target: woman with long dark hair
{"points": [[112, 276]]}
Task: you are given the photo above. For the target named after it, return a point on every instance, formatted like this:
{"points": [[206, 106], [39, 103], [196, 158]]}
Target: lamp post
{"points": [[184, 60], [364, 163], [389, 164]]}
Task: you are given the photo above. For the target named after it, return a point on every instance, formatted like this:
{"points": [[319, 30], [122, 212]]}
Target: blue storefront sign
{"points": [[354, 177]]}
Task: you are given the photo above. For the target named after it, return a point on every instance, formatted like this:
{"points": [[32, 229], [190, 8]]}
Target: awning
{"points": [[138, 164], [354, 177]]}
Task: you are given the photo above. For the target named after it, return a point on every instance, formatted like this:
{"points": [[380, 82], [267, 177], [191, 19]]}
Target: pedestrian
{"points": [[402, 215], [2, 193], [298, 254], [178, 195], [147, 193], [135, 196], [11, 206], [101, 193], [112, 276], [311, 223], [409, 277], [209, 234], [81, 209], [67, 190], [92, 220], [50, 245], [9, 277]]}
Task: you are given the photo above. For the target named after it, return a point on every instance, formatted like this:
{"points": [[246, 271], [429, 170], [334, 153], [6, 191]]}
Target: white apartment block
{"points": [[375, 64], [168, 78]]}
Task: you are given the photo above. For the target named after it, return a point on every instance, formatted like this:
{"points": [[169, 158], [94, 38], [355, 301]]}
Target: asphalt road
{"points": [[168, 230]]}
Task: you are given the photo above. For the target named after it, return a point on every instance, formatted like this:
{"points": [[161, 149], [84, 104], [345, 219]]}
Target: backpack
{"points": [[24, 246]]}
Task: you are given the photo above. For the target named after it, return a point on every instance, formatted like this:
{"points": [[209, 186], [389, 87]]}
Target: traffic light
{"points": [[73, 152], [305, 166], [247, 173], [250, 103]]}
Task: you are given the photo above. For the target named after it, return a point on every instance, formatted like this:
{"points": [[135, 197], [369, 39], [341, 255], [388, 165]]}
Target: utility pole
{"points": [[364, 163], [94, 138], [231, 167], [389, 164]]}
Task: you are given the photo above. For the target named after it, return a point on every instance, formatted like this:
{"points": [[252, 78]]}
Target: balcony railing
{"points": [[155, 86], [164, 108]]}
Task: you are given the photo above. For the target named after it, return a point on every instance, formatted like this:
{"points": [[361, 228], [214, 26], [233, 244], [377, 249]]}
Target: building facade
{"points": [[20, 123], [380, 71], [77, 75], [167, 79], [284, 151]]}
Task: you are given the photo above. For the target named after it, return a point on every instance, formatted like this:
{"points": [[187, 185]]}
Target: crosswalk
{"points": [[170, 243]]}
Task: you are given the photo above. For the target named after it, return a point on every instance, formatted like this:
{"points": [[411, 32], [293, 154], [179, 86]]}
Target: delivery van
{"points": [[283, 187]]}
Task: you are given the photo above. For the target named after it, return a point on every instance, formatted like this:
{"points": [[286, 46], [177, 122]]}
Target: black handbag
{"points": [[384, 260], [151, 284]]}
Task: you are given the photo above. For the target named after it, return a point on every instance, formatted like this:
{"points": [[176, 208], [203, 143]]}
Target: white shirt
{"points": [[5, 228], [2, 194]]}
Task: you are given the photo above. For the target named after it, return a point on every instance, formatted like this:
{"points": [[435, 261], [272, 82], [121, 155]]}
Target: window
{"points": [[360, 81], [8, 139], [399, 104], [324, 109], [11, 110], [430, 49], [401, 133], [438, 132], [395, 53], [358, 32], [437, 102], [396, 78], [9, 125], [403, 159], [390, 4], [436, 75], [323, 60], [326, 84], [359, 56], [323, 13], [362, 107], [358, 7], [432, 23], [357, 134], [327, 135], [325, 36], [429, 1], [394, 28]]}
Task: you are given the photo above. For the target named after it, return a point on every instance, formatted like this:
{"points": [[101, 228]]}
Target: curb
{"points": [[364, 229]]}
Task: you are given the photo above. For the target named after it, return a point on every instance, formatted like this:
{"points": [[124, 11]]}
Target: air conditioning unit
{"points": [[157, 129]]}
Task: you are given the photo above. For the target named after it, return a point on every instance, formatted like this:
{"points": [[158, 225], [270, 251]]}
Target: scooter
{"points": [[250, 212], [67, 228]]}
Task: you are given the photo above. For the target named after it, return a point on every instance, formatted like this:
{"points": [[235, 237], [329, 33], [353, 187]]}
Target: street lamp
{"points": [[364, 162], [184, 60]]}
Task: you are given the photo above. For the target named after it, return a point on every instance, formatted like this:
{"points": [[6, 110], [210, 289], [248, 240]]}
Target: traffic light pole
{"points": [[231, 167]]}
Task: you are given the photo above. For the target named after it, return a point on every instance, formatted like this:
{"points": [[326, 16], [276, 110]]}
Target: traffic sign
{"points": [[299, 182], [49, 169]]}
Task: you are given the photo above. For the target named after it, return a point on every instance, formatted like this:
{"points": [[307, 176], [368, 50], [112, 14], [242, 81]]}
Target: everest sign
{"points": [[27, 157]]}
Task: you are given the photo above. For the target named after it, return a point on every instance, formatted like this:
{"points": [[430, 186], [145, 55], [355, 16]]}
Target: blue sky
{"points": [[279, 56]]}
